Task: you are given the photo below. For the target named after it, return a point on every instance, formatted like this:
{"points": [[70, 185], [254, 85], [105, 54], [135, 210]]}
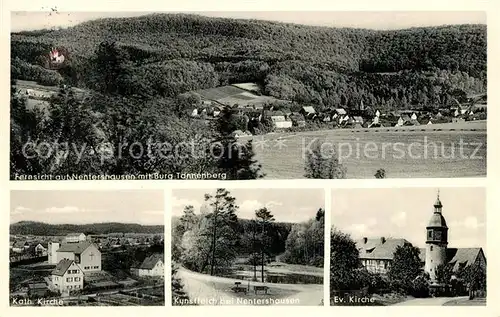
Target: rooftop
{"points": [[74, 235], [62, 267], [379, 248], [76, 248], [151, 261]]}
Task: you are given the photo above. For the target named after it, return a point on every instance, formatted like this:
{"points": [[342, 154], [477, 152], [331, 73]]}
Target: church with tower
{"points": [[376, 254], [436, 241]]}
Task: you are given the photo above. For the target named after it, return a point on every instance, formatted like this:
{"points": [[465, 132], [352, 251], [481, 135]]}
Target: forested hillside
{"points": [[45, 229], [325, 66]]}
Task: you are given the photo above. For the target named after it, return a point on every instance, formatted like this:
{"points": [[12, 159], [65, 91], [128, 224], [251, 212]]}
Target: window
{"points": [[69, 279], [432, 247], [429, 234]]}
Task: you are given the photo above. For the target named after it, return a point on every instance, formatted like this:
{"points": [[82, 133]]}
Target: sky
{"points": [[384, 20], [84, 207], [287, 205], [405, 212]]}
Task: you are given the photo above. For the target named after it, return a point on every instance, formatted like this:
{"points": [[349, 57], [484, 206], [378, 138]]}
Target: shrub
{"points": [[323, 163]]}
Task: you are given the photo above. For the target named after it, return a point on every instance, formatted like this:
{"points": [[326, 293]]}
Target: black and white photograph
{"points": [[408, 246], [248, 247], [87, 248], [247, 95]]}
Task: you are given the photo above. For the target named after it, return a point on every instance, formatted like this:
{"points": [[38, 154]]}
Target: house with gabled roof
{"points": [[308, 112], [20, 246], [153, 265], [41, 248], [67, 276], [75, 237], [340, 111], [298, 119]]}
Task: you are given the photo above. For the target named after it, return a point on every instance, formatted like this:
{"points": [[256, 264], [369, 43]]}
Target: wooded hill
{"points": [[170, 54], [45, 229]]}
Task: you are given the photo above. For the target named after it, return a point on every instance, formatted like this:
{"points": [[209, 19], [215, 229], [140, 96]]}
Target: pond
{"points": [[294, 278], [280, 278]]}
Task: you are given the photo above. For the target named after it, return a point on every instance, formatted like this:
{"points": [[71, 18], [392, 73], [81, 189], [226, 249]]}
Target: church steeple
{"points": [[438, 206]]}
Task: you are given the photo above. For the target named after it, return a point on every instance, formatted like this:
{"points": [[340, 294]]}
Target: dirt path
{"points": [[201, 289], [434, 301], [308, 298]]}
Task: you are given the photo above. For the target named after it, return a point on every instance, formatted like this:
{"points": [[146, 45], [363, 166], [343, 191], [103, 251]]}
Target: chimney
{"points": [[382, 240], [365, 240]]}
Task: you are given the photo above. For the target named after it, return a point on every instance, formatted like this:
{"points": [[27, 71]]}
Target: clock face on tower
{"points": [[437, 235]]}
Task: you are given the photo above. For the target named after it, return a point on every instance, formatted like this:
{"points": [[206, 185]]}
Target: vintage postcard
{"points": [[248, 247], [247, 95], [87, 248], [408, 246]]}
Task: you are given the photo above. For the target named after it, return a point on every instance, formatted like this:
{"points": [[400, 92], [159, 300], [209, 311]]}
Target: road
{"points": [[202, 287], [433, 301]]}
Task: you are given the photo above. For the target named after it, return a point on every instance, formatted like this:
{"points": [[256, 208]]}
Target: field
{"points": [[439, 150]]}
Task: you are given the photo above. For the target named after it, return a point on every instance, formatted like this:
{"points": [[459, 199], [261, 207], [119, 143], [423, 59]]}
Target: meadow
{"points": [[431, 151]]}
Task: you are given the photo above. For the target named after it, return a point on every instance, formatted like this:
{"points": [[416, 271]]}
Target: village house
{"points": [[377, 254], [41, 249], [340, 112], [153, 265], [403, 119], [358, 120], [67, 276], [297, 119], [75, 237], [20, 246], [279, 120], [37, 289], [457, 119], [308, 112]]}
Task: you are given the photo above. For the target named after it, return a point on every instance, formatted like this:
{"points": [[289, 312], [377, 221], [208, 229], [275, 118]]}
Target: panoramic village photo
{"points": [[87, 248], [408, 246], [248, 247], [247, 95]]}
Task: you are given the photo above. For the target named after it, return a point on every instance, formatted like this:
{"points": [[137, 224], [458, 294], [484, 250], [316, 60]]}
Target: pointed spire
{"points": [[438, 205]]}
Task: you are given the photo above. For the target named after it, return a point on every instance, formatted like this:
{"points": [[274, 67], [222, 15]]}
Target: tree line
{"points": [[45, 229], [211, 241]]}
